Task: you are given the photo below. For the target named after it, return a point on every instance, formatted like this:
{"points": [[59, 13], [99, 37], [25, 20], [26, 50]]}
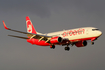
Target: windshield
{"points": [[95, 29]]}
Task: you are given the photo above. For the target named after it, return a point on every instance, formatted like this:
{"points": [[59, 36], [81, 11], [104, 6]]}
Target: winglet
{"points": [[5, 25]]}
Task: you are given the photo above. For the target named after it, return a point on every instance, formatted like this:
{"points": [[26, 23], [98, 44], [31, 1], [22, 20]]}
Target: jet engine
{"points": [[81, 44], [55, 40]]}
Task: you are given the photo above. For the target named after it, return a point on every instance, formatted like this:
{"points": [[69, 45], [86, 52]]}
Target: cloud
{"points": [[48, 16], [44, 8]]}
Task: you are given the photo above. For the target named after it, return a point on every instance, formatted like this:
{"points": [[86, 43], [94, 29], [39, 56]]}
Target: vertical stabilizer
{"points": [[29, 25]]}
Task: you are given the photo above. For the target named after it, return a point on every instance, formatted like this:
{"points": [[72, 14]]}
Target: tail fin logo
{"points": [[29, 28], [29, 25]]}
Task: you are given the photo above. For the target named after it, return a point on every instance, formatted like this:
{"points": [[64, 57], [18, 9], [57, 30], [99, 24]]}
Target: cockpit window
{"points": [[95, 29]]}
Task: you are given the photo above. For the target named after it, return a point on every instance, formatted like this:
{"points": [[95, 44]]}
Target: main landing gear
{"points": [[67, 48]]}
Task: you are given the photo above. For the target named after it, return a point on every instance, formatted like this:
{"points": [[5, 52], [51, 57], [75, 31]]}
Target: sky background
{"points": [[49, 16]]}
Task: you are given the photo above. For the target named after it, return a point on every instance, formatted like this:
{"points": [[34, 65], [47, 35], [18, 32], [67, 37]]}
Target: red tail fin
{"points": [[29, 25]]}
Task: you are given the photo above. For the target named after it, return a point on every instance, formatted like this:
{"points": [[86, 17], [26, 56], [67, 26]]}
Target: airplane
{"points": [[77, 37]]}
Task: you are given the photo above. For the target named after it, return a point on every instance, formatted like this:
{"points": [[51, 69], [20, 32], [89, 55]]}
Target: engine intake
{"points": [[56, 40], [81, 44]]}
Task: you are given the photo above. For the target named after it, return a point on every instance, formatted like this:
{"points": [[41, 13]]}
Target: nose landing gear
{"points": [[92, 40], [92, 43]]}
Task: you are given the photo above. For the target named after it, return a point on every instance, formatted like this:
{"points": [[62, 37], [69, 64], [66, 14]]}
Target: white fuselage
{"points": [[77, 33]]}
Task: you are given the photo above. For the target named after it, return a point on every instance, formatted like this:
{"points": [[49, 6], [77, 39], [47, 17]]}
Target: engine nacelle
{"points": [[56, 40], [81, 44]]}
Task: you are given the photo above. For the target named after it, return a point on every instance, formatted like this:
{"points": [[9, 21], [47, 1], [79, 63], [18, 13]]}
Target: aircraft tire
{"points": [[67, 48], [52, 47], [92, 43]]}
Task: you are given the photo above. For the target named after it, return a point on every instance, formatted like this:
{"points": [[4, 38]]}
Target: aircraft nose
{"points": [[100, 33]]}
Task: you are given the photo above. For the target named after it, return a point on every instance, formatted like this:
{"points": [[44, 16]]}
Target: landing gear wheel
{"points": [[92, 43], [67, 48], [52, 46]]}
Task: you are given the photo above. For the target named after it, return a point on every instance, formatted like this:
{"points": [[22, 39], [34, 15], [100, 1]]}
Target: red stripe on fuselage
{"points": [[83, 39], [43, 43]]}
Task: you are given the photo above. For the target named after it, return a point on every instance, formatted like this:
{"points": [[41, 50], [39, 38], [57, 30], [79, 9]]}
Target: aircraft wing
{"points": [[30, 35]]}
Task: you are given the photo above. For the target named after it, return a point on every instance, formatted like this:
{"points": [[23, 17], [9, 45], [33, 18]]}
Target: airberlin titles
{"points": [[73, 32]]}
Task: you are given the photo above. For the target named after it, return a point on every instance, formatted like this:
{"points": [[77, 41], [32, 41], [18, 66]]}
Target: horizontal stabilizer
{"points": [[18, 37]]}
